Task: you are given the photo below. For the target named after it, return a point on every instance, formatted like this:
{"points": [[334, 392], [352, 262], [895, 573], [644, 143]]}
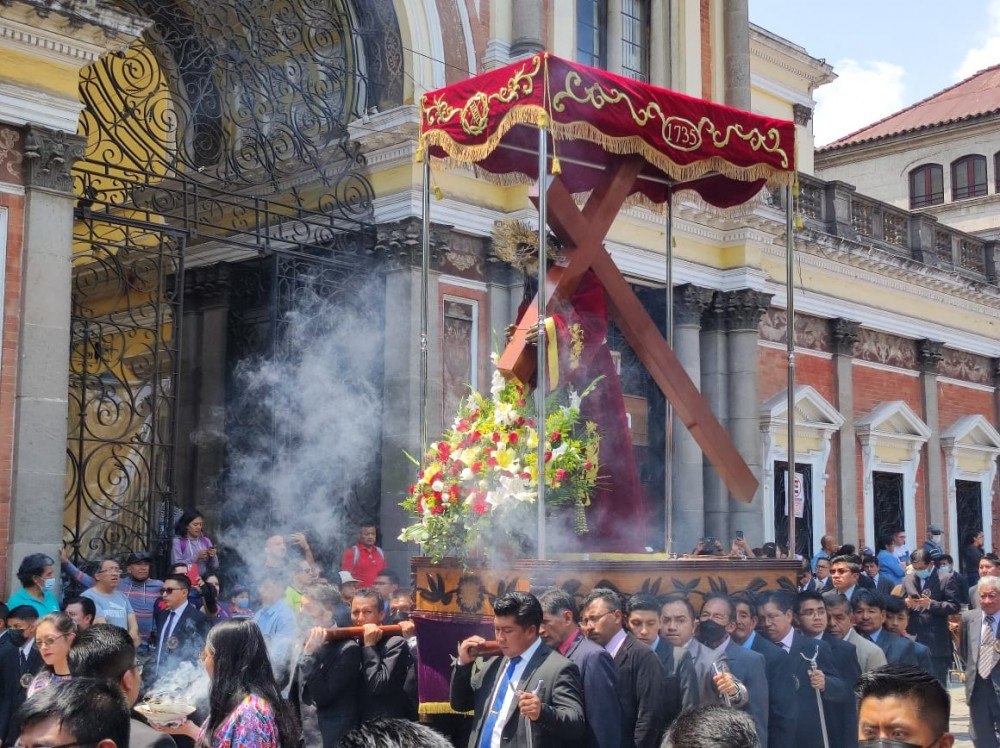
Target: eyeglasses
{"points": [[168, 590], [39, 643], [838, 572], [594, 620]]}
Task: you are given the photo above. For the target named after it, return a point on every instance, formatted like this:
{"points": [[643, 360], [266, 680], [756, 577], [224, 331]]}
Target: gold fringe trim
{"points": [[439, 707]]}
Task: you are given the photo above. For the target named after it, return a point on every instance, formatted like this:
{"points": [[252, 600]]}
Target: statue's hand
{"points": [[508, 332], [531, 337]]}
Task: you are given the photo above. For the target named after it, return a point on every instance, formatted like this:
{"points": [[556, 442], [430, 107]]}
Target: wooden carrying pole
{"points": [[358, 632]]}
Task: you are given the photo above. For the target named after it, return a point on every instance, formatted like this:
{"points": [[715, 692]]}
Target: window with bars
{"points": [[968, 177], [926, 186], [591, 44], [635, 39]]}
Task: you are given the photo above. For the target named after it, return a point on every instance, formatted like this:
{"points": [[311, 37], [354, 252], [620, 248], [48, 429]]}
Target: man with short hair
{"points": [[78, 712], [845, 572], [106, 652], [930, 606], [393, 733], [905, 706], [680, 682], [823, 579], [979, 638], [902, 550], [782, 709], [400, 606], [302, 576], [386, 584], [112, 605], [179, 630], [868, 607], [946, 573], [19, 662], [530, 687], [713, 727], [82, 610], [385, 661], [897, 620], [364, 560], [827, 546], [277, 623], [880, 583], [839, 623], [275, 553], [599, 680], [989, 566], [348, 586], [640, 675]]}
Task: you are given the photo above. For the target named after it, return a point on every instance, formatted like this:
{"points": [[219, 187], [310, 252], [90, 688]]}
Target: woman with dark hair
{"points": [[38, 579], [245, 707], [211, 596], [191, 546], [54, 635]]}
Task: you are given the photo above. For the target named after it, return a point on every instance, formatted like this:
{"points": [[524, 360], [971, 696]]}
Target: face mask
{"points": [[937, 538], [242, 604], [49, 585], [946, 568], [711, 633], [924, 573], [16, 637], [883, 743]]}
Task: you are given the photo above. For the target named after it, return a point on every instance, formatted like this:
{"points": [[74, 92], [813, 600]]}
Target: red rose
{"points": [[520, 403], [512, 439], [492, 462], [463, 425], [477, 466], [437, 509], [455, 469], [556, 436], [548, 455], [496, 436], [475, 436], [520, 421], [561, 474], [588, 465], [413, 488]]}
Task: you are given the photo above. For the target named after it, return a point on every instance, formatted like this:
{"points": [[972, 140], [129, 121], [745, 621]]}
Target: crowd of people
{"points": [[794, 665]]}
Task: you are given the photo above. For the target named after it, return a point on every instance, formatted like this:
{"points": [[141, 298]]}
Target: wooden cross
{"points": [[582, 232]]}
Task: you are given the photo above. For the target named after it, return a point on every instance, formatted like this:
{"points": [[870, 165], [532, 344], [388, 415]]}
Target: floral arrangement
{"points": [[479, 485]]}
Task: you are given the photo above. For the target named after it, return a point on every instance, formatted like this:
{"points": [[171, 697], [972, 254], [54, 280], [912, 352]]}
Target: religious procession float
{"points": [[526, 492]]}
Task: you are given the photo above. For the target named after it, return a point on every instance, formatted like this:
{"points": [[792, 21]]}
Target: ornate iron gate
{"points": [[969, 507], [887, 492], [225, 129]]}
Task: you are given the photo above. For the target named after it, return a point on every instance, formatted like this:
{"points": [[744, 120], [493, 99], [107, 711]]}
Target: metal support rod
{"points": [[668, 463], [543, 163], [425, 268], [790, 340]]}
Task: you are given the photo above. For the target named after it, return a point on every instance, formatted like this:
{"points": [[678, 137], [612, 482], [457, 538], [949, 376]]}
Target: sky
{"points": [[887, 54]]}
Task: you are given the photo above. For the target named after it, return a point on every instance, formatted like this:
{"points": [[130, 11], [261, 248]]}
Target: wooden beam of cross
{"points": [[583, 233]]}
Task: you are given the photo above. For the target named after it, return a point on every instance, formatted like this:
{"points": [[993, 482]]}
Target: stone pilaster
{"points": [[526, 28], [714, 376], [41, 395], [742, 312], [929, 354], [690, 303], [736, 37], [845, 333]]}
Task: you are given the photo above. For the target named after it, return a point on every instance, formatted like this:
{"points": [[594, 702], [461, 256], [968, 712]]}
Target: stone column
{"points": [[742, 312], [526, 28], [660, 43], [613, 35], [41, 396], [714, 375], [687, 480], [736, 36], [844, 333], [929, 353]]}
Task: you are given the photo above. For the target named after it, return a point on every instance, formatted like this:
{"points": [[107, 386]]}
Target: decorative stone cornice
{"points": [[743, 309], [400, 244], [929, 354], [712, 318], [208, 285], [50, 155], [845, 333], [690, 302]]}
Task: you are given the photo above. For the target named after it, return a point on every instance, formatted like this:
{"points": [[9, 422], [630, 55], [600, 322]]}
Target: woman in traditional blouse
{"points": [[245, 707], [191, 545], [54, 636], [38, 580]]}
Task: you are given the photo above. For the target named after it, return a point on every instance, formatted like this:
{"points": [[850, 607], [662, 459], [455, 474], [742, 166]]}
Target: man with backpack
{"points": [[364, 560]]}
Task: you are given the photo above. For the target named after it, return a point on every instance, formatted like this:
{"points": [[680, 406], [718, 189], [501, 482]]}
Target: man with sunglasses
{"points": [[179, 629], [79, 713], [106, 652], [902, 707]]}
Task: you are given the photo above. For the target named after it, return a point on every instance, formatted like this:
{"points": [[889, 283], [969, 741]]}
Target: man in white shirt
{"points": [[112, 604]]}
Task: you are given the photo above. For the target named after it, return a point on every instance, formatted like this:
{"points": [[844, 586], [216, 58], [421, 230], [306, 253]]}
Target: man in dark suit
{"points": [[845, 571], [179, 631], [680, 682], [776, 610], [822, 579], [530, 688], [385, 661], [715, 628], [870, 565], [106, 652], [982, 676], [811, 615], [897, 620], [324, 690], [930, 604], [782, 709], [640, 675], [869, 619], [19, 661], [561, 632]]}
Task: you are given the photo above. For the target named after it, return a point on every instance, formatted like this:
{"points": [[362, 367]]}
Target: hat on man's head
{"points": [[347, 578], [934, 530], [138, 557]]}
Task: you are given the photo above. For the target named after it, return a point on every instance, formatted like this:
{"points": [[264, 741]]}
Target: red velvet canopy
{"points": [[726, 155]]}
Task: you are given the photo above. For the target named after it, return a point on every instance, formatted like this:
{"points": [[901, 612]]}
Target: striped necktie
{"points": [[987, 649]]}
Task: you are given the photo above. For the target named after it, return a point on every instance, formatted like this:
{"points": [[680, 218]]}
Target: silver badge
{"points": [[26, 680], [173, 643]]}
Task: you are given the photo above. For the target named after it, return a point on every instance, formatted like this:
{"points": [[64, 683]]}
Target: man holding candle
{"points": [[385, 661]]}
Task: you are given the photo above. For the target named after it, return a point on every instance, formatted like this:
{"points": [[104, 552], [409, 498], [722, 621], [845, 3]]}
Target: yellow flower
{"points": [[505, 458]]}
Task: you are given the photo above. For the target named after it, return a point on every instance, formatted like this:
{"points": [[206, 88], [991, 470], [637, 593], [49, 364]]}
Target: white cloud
{"points": [[863, 93], [986, 54]]}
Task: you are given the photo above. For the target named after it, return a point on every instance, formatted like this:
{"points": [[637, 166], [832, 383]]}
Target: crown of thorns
{"points": [[516, 242]]}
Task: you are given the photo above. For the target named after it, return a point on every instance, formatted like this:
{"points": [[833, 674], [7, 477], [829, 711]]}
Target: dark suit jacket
{"points": [[782, 712], [324, 692], [383, 676], [600, 692], [680, 682], [898, 649], [884, 585], [12, 693], [640, 694], [931, 626], [845, 656], [190, 632], [750, 668], [972, 629], [807, 728], [561, 724]]}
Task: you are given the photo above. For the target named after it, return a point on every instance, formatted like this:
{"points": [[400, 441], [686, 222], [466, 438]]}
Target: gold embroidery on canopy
{"points": [[576, 345]]}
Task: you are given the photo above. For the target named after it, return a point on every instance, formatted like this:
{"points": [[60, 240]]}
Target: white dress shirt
{"points": [[616, 643], [508, 698]]}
